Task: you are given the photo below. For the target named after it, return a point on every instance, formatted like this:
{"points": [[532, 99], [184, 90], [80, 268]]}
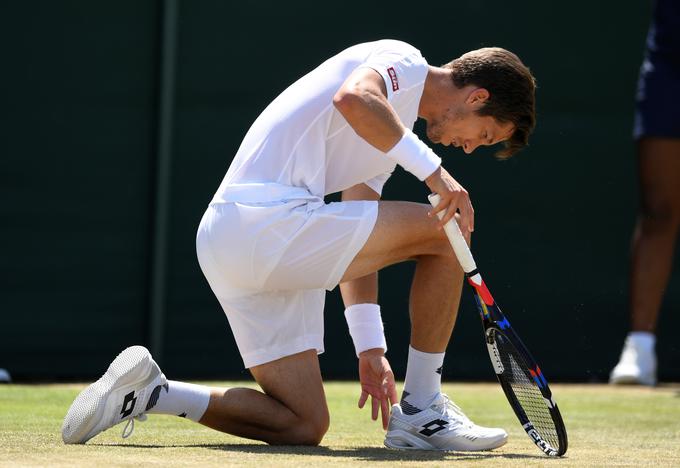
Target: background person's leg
{"points": [[656, 231], [291, 411], [653, 247]]}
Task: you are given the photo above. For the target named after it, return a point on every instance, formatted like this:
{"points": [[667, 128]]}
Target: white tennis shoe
{"points": [[130, 387], [637, 365], [442, 426]]}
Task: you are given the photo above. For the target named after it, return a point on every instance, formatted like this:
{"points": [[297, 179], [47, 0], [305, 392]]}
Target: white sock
{"points": [[182, 399], [423, 380], [643, 340]]}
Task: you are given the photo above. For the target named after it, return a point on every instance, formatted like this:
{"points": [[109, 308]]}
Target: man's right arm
{"points": [[362, 101]]}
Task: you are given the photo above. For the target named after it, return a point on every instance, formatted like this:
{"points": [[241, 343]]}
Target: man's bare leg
{"points": [[404, 231], [291, 411]]}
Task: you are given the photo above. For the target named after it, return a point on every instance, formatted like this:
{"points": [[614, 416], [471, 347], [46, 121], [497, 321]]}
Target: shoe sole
{"points": [[415, 443], [133, 365]]}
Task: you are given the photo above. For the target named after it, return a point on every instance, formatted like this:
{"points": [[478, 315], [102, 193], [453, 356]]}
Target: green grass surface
{"points": [[607, 427]]}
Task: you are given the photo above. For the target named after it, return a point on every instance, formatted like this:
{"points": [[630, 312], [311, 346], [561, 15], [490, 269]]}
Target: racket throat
{"points": [[482, 291]]}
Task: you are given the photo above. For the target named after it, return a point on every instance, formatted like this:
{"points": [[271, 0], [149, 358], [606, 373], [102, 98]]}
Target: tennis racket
{"points": [[520, 377]]}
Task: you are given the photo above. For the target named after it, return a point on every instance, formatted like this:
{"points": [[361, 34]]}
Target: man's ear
{"points": [[478, 98]]}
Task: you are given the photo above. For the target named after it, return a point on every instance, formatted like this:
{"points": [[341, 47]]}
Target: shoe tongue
{"points": [[445, 406], [440, 399]]}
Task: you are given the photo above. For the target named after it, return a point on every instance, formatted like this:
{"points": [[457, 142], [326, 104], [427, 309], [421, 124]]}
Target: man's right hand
{"points": [[454, 198]]}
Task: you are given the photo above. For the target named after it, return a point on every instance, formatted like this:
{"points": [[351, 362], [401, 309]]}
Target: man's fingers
{"points": [[363, 398], [385, 407], [380, 386], [450, 213], [392, 394], [441, 206], [467, 216], [389, 396]]}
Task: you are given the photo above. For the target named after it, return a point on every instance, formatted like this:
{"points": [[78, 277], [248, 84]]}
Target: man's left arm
{"points": [[375, 373], [365, 289]]}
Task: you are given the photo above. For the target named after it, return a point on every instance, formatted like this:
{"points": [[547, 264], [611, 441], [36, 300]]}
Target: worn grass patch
{"points": [[607, 427]]}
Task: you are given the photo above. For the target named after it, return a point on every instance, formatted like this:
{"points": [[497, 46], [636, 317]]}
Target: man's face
{"points": [[461, 127]]}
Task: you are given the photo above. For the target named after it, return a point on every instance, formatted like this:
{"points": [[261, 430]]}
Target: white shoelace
{"points": [[446, 406], [131, 424]]}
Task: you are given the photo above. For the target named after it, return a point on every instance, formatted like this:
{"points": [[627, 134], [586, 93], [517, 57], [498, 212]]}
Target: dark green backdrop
{"points": [[81, 140]]}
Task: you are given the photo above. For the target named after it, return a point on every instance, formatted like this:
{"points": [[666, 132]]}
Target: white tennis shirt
{"points": [[301, 147]]}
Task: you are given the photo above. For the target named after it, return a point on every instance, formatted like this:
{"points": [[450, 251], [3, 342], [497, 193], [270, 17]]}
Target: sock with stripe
{"points": [[181, 399], [423, 380]]}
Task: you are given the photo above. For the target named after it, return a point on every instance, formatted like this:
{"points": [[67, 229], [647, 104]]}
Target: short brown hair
{"points": [[511, 87]]}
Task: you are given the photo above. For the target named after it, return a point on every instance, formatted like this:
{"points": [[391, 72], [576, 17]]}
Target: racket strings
{"points": [[526, 391]]}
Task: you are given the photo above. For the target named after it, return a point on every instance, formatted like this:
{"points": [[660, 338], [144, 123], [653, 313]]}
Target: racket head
{"points": [[522, 380]]}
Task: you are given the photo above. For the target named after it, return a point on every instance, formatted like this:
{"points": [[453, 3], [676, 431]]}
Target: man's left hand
{"points": [[377, 380]]}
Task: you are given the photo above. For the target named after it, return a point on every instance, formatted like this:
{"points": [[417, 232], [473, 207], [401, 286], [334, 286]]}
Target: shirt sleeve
{"points": [[377, 183], [400, 64]]}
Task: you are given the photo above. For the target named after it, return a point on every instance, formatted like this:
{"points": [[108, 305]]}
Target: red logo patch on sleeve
{"points": [[393, 77]]}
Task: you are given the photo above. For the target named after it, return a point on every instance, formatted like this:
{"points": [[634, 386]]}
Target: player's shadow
{"points": [[359, 453], [370, 453]]}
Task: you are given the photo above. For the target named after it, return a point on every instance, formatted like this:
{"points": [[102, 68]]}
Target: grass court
{"points": [[607, 426]]}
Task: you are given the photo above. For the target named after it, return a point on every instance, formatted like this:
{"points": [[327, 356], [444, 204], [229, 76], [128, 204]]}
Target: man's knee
{"points": [[309, 430], [295, 382], [314, 430]]}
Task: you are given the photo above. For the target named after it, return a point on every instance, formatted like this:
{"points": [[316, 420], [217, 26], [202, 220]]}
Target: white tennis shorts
{"points": [[269, 265]]}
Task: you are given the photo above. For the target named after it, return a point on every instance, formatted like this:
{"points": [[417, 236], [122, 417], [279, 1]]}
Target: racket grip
{"points": [[460, 247]]}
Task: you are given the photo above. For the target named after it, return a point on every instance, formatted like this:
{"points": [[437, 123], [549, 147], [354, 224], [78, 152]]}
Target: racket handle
{"points": [[460, 247]]}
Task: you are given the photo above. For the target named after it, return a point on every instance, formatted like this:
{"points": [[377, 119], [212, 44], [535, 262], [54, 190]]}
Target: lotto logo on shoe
{"points": [[128, 405], [393, 78], [433, 427]]}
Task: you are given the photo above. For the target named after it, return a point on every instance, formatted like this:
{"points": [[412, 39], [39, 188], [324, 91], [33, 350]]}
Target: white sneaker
{"points": [[128, 389], [637, 365], [442, 426]]}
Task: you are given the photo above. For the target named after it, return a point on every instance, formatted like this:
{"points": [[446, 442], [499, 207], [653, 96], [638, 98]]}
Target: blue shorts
{"points": [[657, 107]]}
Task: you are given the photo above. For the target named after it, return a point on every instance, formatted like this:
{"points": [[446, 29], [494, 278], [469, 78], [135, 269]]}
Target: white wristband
{"points": [[365, 327], [414, 156]]}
